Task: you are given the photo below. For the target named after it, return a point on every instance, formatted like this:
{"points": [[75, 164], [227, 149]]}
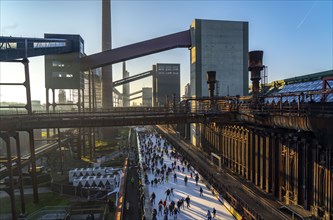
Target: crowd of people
{"points": [[160, 163]]}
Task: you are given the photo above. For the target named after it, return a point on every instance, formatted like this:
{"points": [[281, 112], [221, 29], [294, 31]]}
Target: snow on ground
{"points": [[198, 205]]}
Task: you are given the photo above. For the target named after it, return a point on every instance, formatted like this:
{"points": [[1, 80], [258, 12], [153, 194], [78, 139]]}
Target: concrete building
{"points": [[147, 96], [166, 83], [220, 46]]}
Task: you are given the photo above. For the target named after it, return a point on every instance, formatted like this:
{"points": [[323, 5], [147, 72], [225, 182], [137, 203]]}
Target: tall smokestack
{"points": [[126, 88], [107, 84]]}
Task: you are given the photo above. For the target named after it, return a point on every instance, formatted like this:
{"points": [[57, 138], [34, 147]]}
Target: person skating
{"points": [[201, 191], [167, 192], [175, 212], [188, 200], [209, 216], [185, 180], [152, 198], [196, 179], [154, 214], [179, 204], [175, 178], [160, 208], [214, 212]]}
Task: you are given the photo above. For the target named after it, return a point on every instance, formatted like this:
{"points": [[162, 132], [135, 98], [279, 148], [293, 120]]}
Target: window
{"points": [[49, 44], [8, 45], [62, 75], [57, 64]]}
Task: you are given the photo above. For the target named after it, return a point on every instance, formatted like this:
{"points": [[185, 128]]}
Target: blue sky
{"points": [[296, 36]]}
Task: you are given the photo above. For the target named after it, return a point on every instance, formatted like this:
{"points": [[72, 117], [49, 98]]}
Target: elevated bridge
{"points": [[13, 48]]}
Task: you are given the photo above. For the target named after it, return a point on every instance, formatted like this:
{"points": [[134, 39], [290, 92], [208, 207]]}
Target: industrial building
{"points": [[166, 84]]}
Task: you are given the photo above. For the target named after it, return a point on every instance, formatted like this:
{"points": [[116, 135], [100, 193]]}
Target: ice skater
{"points": [[201, 191], [196, 179], [185, 180], [188, 201], [209, 216], [168, 192], [214, 212]]}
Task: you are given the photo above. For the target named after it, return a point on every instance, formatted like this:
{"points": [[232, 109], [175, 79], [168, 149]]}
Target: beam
{"points": [[178, 40], [132, 78]]}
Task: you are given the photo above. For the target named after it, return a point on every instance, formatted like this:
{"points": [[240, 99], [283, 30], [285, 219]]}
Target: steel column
{"points": [[268, 176], [33, 166], [315, 178], [288, 174], [261, 162], [296, 175], [256, 159], [247, 155], [252, 156], [6, 138], [275, 165], [25, 62], [281, 157], [19, 167]]}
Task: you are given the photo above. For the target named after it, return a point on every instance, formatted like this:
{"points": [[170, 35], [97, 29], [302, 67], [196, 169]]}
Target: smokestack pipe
{"points": [[255, 66], [107, 84]]}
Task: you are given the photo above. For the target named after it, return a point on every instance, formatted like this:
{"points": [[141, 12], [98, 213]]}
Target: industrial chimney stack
{"points": [[255, 66], [107, 84]]}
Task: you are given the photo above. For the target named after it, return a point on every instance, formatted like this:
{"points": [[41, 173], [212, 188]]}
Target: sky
{"points": [[296, 36]]}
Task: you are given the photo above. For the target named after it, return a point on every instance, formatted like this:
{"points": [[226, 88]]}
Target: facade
{"points": [[63, 71], [295, 166], [147, 97], [220, 46], [166, 84]]}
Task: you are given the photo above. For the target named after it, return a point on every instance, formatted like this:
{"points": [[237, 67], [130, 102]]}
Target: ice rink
{"points": [[199, 205]]}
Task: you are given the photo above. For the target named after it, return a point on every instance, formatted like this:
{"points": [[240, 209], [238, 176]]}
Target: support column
{"points": [[79, 143], [287, 171], [256, 159], [91, 152], [296, 176], [315, 179], [33, 166], [228, 148], [261, 162], [6, 139], [246, 154], [251, 156], [19, 167], [303, 164], [234, 150], [60, 151], [239, 152], [275, 164], [268, 176], [27, 84], [329, 184], [282, 162]]}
